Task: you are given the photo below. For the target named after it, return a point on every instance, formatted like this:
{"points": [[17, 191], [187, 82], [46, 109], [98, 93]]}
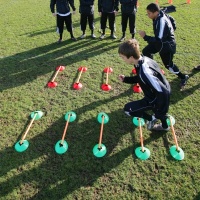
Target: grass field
{"points": [[28, 57]]}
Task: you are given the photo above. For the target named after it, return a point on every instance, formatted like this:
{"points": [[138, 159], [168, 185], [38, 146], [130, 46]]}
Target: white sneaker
{"points": [[102, 36], [82, 36], [93, 36], [150, 124]]}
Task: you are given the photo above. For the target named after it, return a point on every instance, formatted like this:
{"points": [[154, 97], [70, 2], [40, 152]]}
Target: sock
{"points": [[92, 31], [103, 32], [133, 35], [71, 33], [164, 124], [180, 75], [60, 36]]}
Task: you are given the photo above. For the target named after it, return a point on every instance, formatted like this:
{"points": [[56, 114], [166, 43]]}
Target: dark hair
{"points": [[130, 48], [153, 7]]}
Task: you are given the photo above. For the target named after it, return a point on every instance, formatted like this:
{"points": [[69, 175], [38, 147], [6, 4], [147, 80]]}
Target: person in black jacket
{"points": [[63, 15], [155, 87], [107, 10], [128, 9], [86, 10], [163, 41]]}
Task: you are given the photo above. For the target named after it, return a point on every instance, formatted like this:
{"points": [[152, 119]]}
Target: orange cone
{"points": [[170, 1], [188, 1], [156, 1]]}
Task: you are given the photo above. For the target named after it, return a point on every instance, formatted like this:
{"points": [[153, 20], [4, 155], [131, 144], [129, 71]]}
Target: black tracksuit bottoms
{"points": [[111, 20], [124, 21], [87, 18], [166, 51], [60, 23], [138, 108]]}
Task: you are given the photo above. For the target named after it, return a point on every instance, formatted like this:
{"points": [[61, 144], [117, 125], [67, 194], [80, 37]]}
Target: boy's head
{"points": [[129, 51], [153, 10]]}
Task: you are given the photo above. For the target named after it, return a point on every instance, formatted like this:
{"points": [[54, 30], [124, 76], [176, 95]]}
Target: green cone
{"points": [[177, 154], [99, 152], [21, 147], [142, 155]]}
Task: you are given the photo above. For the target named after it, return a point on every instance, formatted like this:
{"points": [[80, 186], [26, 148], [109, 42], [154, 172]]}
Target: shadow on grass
{"points": [[59, 175], [26, 66]]}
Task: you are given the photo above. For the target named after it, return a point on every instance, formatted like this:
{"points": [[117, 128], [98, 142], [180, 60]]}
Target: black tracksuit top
{"points": [[86, 6], [128, 6], [62, 6], [163, 30], [155, 87], [108, 6]]}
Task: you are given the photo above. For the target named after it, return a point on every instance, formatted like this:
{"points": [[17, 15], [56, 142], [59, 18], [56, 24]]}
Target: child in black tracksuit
{"points": [[107, 10], [163, 41], [128, 9], [63, 15], [86, 10], [155, 87]]}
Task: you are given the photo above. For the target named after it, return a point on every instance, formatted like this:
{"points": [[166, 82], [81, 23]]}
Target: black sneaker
{"points": [[184, 81], [59, 41], [197, 67]]}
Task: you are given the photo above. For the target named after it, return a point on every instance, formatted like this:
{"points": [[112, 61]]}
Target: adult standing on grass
{"points": [[128, 9], [86, 10], [163, 40], [107, 10], [63, 15], [155, 87]]}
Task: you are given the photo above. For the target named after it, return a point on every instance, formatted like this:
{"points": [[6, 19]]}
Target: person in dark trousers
{"points": [[155, 87], [107, 10], [163, 40], [63, 15], [128, 10], [86, 10]]}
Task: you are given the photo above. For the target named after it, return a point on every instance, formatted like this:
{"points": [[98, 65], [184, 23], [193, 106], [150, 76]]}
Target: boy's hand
{"points": [[54, 14], [121, 77], [142, 33]]}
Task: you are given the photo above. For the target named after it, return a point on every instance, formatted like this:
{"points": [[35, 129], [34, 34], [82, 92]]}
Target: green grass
{"points": [[28, 57]]}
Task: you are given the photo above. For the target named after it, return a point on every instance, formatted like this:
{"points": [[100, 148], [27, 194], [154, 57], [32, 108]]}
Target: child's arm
{"points": [[127, 79]]}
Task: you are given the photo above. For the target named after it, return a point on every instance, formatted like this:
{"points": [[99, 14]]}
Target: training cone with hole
{"points": [[99, 150], [22, 145], [142, 155], [175, 151], [62, 146], [137, 88], [141, 152]]}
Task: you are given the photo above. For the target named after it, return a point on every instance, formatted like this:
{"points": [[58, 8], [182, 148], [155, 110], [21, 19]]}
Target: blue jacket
{"points": [[108, 6], [62, 6]]}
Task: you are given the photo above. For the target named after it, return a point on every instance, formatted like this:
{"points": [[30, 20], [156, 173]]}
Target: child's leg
{"points": [[138, 108], [60, 25], [111, 19], [83, 22], [68, 23]]}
